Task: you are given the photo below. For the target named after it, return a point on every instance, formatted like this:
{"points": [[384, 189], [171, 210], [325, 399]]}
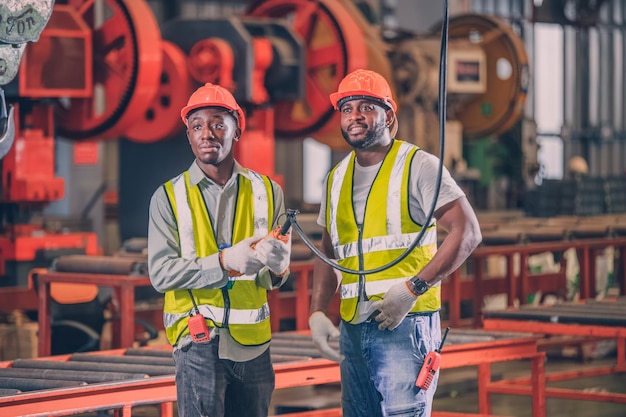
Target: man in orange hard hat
{"points": [[375, 204], [211, 253]]}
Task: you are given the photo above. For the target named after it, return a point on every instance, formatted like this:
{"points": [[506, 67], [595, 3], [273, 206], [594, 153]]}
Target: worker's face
{"points": [[211, 132], [364, 123]]}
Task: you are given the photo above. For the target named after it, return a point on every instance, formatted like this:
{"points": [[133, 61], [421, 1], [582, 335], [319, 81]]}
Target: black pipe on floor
{"points": [[68, 375], [24, 384], [94, 366], [131, 359]]}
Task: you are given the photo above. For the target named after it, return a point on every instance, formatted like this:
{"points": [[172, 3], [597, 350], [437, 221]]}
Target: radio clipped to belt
{"points": [[198, 329], [431, 365]]}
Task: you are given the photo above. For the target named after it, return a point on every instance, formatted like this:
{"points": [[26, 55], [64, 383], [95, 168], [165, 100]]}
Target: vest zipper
{"points": [[362, 293]]}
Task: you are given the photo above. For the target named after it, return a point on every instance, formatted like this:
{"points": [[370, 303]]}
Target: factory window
{"points": [[548, 93], [317, 158]]}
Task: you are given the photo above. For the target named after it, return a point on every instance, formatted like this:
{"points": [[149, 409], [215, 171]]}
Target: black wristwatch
{"points": [[419, 285]]}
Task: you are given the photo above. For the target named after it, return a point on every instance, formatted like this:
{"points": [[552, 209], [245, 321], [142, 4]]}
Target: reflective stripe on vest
{"points": [[386, 232], [376, 287], [216, 315], [243, 308]]}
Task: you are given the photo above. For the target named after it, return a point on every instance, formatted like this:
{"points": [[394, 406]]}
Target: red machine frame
{"points": [[592, 331], [124, 286]]}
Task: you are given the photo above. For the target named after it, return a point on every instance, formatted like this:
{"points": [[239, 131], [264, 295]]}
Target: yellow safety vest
{"points": [[243, 308], [387, 231]]}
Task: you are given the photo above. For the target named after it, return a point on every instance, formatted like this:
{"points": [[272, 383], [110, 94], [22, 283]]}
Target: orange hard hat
{"points": [[211, 95], [364, 84]]}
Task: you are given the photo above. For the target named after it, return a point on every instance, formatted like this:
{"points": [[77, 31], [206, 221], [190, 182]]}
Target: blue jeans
{"points": [[209, 386], [380, 367]]}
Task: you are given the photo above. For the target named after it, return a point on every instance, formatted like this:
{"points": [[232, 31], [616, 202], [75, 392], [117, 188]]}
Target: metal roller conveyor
{"points": [[587, 308], [297, 339], [287, 342], [26, 384], [66, 375], [130, 359], [294, 357], [555, 316], [456, 339], [4, 392], [462, 336], [617, 301], [312, 353], [285, 358], [107, 265], [137, 245], [305, 342], [94, 366], [591, 313], [159, 353]]}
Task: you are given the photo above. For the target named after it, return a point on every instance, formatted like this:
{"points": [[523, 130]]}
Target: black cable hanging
{"points": [[291, 214]]}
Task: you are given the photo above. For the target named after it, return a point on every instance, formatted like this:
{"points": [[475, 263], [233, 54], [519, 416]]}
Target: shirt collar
{"points": [[196, 174]]}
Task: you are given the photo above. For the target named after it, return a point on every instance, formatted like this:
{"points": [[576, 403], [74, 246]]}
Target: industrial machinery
{"points": [[27, 144], [19, 24], [487, 83], [107, 70], [76, 81]]}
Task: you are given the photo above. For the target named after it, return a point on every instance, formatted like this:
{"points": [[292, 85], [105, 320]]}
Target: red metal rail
{"points": [[124, 286], [539, 327], [125, 395]]}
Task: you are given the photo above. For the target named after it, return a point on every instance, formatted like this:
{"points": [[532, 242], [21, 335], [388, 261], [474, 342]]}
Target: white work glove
{"points": [[240, 258], [394, 307], [323, 329], [274, 253]]}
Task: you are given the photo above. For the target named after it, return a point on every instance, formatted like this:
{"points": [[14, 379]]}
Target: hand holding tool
{"points": [[240, 259], [274, 251], [323, 329]]}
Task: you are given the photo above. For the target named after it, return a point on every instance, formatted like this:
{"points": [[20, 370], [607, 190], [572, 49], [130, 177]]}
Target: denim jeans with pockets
{"points": [[380, 367], [207, 386]]}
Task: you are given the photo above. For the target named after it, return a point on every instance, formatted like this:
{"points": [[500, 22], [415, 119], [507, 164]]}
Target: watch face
{"points": [[420, 287]]}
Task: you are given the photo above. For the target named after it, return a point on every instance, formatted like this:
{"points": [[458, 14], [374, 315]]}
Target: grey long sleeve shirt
{"points": [[168, 270]]}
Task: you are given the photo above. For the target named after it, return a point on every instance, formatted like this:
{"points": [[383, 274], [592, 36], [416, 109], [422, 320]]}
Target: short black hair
{"points": [[229, 111], [375, 100]]}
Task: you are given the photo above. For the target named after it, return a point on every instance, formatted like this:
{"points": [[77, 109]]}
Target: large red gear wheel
{"points": [[335, 47], [126, 68], [162, 119]]}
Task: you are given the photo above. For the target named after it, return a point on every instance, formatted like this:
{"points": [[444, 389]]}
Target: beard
{"points": [[371, 137]]}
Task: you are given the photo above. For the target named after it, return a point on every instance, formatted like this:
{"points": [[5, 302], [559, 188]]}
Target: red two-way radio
{"points": [[198, 329], [431, 365]]}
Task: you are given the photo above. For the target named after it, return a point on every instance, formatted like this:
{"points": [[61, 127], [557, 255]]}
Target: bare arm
{"points": [[325, 281], [459, 220]]}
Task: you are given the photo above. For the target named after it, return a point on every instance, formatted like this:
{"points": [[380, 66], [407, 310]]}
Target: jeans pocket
{"points": [[414, 410]]}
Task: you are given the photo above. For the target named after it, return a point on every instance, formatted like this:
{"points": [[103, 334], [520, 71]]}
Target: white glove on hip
{"points": [[323, 329], [394, 307], [240, 257], [274, 253]]}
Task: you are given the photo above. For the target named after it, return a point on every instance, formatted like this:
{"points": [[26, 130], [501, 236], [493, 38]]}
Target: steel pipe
{"points": [[107, 265], [68, 375], [94, 366], [130, 359], [24, 384]]}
